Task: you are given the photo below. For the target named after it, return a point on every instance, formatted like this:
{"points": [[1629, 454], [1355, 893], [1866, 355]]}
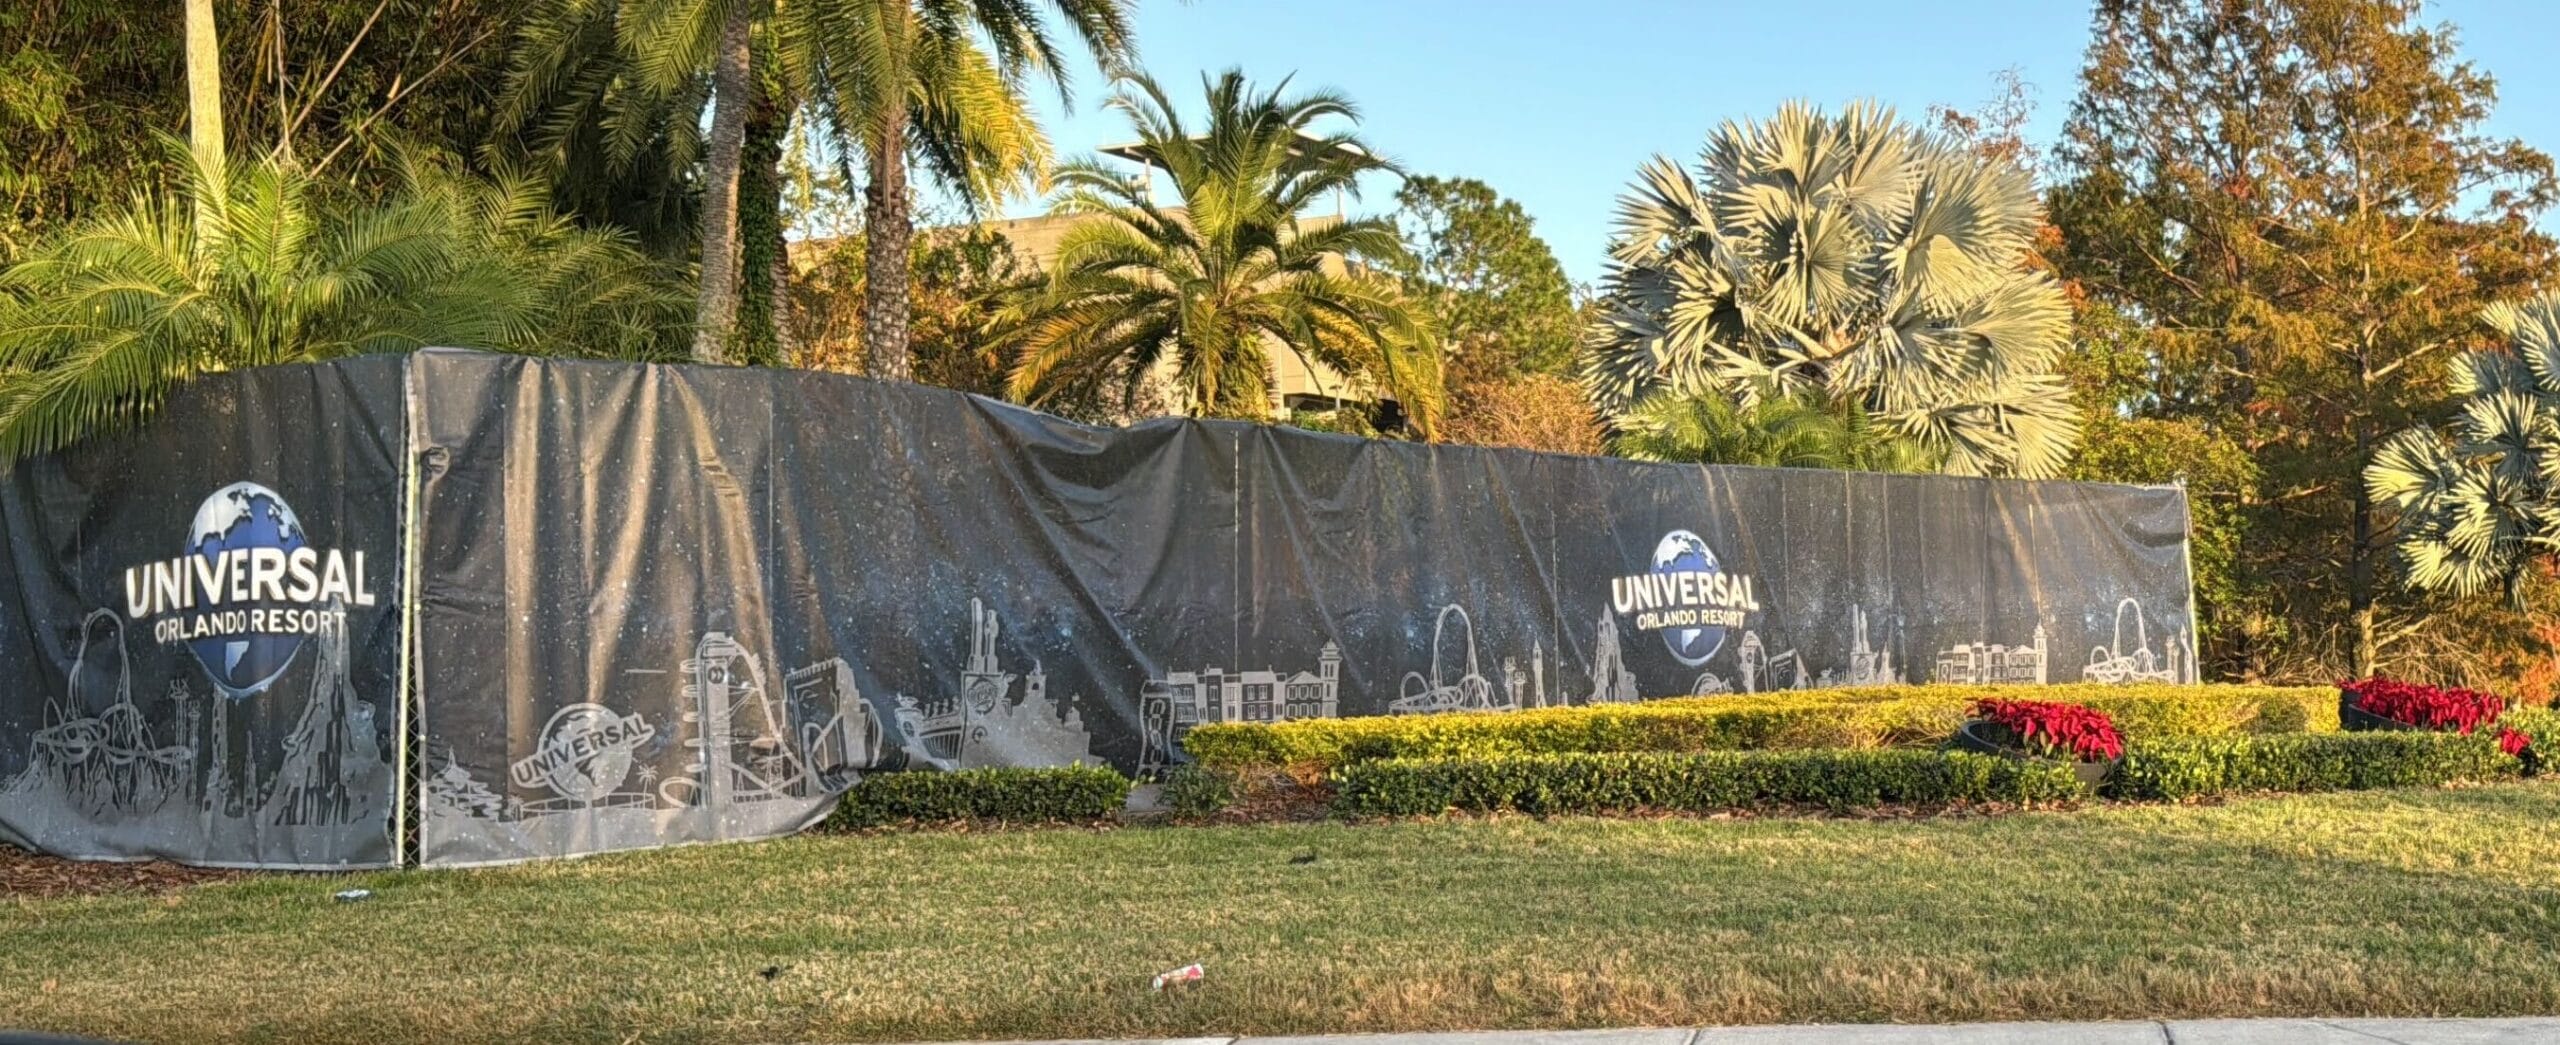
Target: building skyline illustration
{"points": [[1169, 707], [982, 723], [1527, 689], [1868, 665], [1981, 664]]}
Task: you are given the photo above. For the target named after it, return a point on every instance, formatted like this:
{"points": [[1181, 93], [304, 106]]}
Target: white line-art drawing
{"points": [[107, 761], [757, 759], [1168, 707], [2113, 663], [335, 732], [111, 772], [839, 737], [1527, 689], [1611, 682], [1984, 664], [981, 724], [743, 749], [1757, 671], [1868, 666], [1418, 695]]}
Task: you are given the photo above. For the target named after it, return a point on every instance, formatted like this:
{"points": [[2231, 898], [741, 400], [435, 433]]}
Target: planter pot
{"points": [[2354, 719], [1979, 737]]}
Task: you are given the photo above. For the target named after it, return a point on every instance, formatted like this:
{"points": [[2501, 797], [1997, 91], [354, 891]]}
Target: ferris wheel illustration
{"points": [[1418, 695]]}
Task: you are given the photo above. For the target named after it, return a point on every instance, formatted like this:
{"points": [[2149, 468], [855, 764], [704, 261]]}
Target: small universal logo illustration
{"points": [[249, 591], [586, 753], [1688, 596]]}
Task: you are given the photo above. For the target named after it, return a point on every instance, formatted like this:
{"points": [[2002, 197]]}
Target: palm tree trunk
{"points": [[204, 114], [758, 340], [888, 232], [730, 83]]}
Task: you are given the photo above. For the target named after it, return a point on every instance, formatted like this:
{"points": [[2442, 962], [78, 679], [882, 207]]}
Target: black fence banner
{"points": [[656, 605], [672, 604], [200, 634]]}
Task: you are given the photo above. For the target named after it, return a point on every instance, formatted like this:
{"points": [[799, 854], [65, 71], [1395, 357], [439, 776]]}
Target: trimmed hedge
{"points": [[1061, 793], [1839, 780], [1840, 718], [2193, 767]]}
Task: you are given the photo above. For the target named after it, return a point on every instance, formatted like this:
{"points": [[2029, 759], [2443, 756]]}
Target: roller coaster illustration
{"points": [[109, 757], [2113, 664], [744, 746], [1418, 695]]}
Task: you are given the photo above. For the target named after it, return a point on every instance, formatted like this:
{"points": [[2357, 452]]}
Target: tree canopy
{"points": [[2293, 207], [1849, 257]]}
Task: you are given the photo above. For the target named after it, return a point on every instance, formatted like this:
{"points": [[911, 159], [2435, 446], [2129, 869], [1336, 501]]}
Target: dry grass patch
{"points": [[2427, 902]]}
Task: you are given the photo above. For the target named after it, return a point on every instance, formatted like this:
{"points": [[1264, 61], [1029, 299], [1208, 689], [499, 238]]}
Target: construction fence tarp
{"points": [[458, 608]]}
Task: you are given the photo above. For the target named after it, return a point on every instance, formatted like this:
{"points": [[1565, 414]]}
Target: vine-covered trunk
{"points": [[761, 274], [888, 232], [716, 313]]}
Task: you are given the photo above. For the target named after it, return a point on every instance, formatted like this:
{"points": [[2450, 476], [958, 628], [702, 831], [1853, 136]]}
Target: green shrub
{"points": [[1708, 781], [2191, 767], [1055, 794], [1876, 716], [1197, 791]]}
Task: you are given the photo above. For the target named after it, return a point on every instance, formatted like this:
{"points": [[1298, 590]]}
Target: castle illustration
{"points": [[982, 723]]}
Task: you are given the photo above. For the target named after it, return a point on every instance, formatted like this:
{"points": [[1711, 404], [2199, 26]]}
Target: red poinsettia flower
{"points": [[2083, 734], [2513, 743], [2426, 707]]}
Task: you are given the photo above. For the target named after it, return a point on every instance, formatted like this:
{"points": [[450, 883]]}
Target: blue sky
{"points": [[1556, 104]]}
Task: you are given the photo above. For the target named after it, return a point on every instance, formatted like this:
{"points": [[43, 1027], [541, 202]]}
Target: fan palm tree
{"points": [[2478, 509], [1232, 277], [1775, 431], [936, 81], [1850, 256], [99, 322]]}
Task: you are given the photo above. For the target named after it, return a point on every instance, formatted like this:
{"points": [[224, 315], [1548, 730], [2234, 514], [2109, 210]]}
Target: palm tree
{"points": [[941, 79], [2481, 508], [1236, 274], [1850, 256], [100, 321], [1775, 431]]}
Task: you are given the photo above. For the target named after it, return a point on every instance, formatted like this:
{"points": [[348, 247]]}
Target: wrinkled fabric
{"points": [[674, 604], [133, 737]]}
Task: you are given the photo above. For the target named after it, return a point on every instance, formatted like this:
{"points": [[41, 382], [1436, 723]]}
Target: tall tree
{"points": [[1474, 260], [918, 82], [2293, 205], [1233, 276], [674, 43], [1850, 259], [204, 113]]}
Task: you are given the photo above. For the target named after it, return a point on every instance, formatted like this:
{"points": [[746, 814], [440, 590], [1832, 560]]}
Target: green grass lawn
{"points": [[2383, 903]]}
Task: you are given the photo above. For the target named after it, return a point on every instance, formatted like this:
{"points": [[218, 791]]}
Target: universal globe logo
{"points": [[586, 753], [249, 591], [1688, 596]]}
